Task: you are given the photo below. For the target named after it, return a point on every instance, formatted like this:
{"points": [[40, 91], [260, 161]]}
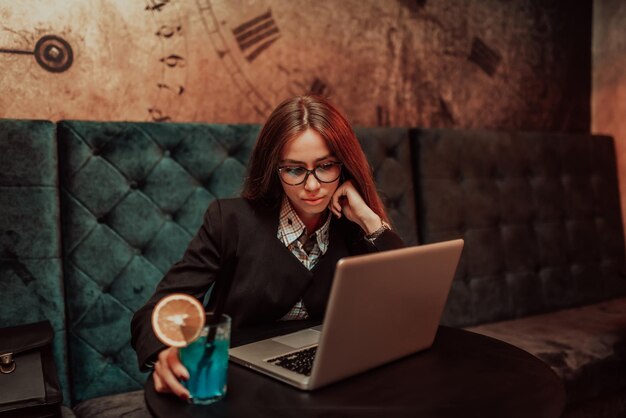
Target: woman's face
{"points": [[309, 150]]}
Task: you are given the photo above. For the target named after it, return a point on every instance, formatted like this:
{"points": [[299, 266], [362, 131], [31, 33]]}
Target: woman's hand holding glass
{"points": [[167, 371]]}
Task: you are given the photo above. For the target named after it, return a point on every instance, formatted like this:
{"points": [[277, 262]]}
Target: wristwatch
{"points": [[384, 227]]}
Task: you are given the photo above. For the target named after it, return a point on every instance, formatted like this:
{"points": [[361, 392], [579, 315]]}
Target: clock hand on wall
{"points": [[52, 53]]}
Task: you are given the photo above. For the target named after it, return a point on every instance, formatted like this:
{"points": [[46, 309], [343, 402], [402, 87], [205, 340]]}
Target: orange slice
{"points": [[178, 319]]}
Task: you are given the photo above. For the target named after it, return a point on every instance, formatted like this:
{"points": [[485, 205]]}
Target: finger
{"points": [[337, 206], [334, 210], [335, 200], [351, 193], [170, 381], [175, 364], [353, 198], [348, 213], [159, 387], [176, 387]]}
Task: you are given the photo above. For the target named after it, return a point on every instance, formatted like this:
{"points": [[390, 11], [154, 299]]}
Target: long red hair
{"points": [[290, 119]]}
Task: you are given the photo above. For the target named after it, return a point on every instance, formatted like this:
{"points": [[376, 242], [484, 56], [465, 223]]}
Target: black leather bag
{"points": [[29, 386]]}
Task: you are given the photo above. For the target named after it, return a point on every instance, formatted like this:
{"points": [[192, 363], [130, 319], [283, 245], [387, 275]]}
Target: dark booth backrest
{"points": [[132, 196], [31, 274], [539, 213]]}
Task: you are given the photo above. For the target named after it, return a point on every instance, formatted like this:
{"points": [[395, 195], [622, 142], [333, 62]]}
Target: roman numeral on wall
{"points": [[318, 87], [486, 58], [256, 35]]}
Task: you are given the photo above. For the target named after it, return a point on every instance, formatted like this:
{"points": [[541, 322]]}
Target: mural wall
{"points": [[609, 80], [518, 64]]}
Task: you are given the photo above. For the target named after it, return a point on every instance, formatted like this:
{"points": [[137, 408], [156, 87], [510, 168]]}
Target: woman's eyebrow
{"points": [[290, 161]]}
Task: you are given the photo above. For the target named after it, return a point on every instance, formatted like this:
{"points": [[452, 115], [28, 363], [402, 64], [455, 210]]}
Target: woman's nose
{"points": [[311, 183]]}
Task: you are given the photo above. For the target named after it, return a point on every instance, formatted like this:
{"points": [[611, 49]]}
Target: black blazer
{"points": [[237, 245]]}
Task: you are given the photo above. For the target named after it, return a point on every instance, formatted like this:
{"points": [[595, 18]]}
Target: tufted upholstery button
{"points": [[138, 251], [166, 153], [95, 151], [100, 220], [232, 151], [466, 278], [167, 216], [133, 184]]}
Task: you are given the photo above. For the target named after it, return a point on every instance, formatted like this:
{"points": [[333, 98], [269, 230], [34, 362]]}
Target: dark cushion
{"points": [[388, 152], [133, 195], [31, 281], [586, 346], [540, 215]]}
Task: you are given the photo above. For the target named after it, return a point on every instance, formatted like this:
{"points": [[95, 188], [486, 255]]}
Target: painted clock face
{"points": [[402, 63], [100, 60], [272, 50]]}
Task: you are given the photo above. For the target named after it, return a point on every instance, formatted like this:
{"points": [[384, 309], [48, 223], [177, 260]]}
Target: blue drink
{"points": [[207, 363]]}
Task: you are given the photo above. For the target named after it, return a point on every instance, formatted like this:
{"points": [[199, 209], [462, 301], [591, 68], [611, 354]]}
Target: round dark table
{"points": [[462, 375]]}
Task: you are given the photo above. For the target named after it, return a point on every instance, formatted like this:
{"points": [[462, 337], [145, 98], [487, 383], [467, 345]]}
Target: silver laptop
{"points": [[382, 307]]}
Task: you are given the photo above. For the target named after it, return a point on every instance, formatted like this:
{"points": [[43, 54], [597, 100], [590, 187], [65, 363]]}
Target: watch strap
{"points": [[384, 227]]}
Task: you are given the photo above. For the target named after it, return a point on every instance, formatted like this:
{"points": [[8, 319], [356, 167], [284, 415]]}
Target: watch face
{"points": [[401, 63]]}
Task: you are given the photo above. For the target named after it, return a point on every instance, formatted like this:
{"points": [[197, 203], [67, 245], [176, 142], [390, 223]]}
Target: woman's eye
{"points": [[326, 166], [294, 171]]}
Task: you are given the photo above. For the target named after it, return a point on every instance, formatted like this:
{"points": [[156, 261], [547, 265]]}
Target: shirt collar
{"points": [[291, 227]]}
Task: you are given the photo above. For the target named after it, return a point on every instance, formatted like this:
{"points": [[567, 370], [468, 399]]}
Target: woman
{"points": [[309, 200]]}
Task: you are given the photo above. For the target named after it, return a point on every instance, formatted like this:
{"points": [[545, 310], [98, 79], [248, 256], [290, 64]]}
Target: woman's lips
{"points": [[313, 202]]}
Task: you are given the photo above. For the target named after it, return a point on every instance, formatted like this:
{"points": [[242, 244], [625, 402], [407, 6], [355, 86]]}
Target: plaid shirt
{"points": [[293, 233]]}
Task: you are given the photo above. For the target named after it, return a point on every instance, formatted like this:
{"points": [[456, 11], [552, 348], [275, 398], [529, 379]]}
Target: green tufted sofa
{"points": [[92, 214]]}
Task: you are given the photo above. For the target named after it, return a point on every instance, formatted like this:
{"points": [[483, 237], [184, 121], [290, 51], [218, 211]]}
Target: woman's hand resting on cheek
{"points": [[347, 201]]}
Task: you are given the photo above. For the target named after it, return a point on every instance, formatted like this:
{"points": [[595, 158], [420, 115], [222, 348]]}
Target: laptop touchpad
{"points": [[299, 339]]}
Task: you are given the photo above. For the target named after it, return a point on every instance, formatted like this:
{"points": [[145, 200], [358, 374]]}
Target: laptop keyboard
{"points": [[300, 362]]}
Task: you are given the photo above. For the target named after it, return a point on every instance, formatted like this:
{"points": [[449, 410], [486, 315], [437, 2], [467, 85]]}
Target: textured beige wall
{"points": [[469, 64], [609, 80]]}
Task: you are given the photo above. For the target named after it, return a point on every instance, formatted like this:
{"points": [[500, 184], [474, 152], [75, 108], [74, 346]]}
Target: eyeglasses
{"points": [[324, 173]]}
